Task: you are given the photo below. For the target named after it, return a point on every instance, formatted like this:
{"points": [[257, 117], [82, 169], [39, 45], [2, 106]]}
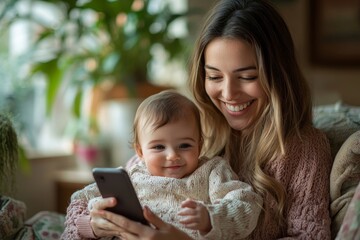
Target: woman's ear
{"points": [[138, 150]]}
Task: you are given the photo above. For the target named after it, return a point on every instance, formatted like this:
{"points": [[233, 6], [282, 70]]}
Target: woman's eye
{"points": [[185, 145], [210, 78], [249, 78]]}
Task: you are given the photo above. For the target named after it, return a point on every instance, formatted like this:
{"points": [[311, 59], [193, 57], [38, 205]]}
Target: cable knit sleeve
{"points": [[132, 162], [77, 221], [308, 174], [235, 206]]}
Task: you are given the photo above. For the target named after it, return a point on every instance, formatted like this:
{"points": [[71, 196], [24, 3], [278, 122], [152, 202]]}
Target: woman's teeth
{"points": [[237, 108]]}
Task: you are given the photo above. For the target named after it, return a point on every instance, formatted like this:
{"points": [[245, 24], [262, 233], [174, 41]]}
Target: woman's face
{"points": [[232, 81]]}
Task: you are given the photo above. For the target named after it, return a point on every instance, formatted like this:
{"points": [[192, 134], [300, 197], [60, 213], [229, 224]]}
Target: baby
{"points": [[200, 196]]}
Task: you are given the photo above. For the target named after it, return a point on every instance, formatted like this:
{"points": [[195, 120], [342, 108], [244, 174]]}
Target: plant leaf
{"points": [[54, 78], [23, 160], [76, 109]]}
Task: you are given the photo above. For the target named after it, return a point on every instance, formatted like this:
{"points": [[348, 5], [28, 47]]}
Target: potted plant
{"points": [[13, 118], [9, 155], [106, 46], [12, 155], [96, 42], [12, 212]]}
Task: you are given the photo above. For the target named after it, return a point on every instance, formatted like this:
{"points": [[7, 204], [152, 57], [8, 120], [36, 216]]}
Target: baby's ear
{"points": [[138, 150]]}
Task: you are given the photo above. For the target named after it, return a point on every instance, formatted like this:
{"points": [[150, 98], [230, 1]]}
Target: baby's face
{"points": [[171, 150]]}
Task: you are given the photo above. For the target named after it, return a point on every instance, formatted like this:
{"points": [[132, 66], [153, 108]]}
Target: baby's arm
{"points": [[195, 216], [234, 208], [77, 222]]}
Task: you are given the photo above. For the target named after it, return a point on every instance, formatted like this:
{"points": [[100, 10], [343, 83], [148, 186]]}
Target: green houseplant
{"points": [[97, 45], [8, 166], [9, 157], [99, 41]]}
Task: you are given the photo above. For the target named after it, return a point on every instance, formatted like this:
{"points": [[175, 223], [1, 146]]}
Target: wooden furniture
{"points": [[67, 182]]}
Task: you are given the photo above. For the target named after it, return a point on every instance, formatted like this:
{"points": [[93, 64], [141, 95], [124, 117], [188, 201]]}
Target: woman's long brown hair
{"points": [[288, 107]]}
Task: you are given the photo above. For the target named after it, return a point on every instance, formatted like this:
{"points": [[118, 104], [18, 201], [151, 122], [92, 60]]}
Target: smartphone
{"points": [[115, 182]]}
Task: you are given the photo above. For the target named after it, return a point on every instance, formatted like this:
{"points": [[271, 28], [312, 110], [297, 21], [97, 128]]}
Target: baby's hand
{"points": [[195, 216]]}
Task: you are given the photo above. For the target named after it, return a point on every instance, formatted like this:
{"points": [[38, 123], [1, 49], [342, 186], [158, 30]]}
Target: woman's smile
{"points": [[235, 108], [232, 81]]}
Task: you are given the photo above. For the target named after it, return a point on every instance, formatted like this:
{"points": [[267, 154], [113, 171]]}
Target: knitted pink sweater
{"points": [[304, 171]]}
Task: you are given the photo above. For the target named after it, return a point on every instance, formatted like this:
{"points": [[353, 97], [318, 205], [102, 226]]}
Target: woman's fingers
{"points": [[130, 230], [164, 231], [101, 226], [104, 203], [154, 219], [103, 222], [122, 223], [129, 236]]}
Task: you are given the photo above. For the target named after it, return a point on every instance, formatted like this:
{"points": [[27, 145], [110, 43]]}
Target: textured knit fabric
{"points": [[77, 221], [304, 172], [233, 206]]}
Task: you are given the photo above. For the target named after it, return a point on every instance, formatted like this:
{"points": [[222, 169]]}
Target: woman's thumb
{"points": [[153, 219]]}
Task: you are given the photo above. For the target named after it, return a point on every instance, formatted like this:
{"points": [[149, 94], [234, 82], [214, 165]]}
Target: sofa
{"points": [[350, 227], [340, 123], [44, 225]]}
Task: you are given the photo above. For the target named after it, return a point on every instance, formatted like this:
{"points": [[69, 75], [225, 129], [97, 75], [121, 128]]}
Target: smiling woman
{"points": [[260, 103], [234, 85]]}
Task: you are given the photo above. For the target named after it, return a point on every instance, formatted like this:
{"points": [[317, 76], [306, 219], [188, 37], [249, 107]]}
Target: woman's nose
{"points": [[229, 89]]}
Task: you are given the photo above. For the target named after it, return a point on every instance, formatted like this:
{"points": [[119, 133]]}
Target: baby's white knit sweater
{"points": [[233, 206]]}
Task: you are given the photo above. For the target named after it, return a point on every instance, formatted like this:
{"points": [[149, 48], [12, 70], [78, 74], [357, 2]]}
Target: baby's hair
{"points": [[161, 109]]}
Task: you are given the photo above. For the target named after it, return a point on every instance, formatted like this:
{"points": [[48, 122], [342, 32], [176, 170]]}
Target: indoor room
{"points": [[73, 73]]}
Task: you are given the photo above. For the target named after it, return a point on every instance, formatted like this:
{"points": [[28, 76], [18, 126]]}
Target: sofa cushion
{"points": [[344, 178], [350, 228], [338, 121]]}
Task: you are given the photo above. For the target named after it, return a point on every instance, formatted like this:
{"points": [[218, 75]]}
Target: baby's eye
{"points": [[185, 145], [158, 147]]}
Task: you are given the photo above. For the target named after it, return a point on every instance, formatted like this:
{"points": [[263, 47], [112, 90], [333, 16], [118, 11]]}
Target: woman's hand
{"points": [[100, 221], [134, 230], [105, 223]]}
